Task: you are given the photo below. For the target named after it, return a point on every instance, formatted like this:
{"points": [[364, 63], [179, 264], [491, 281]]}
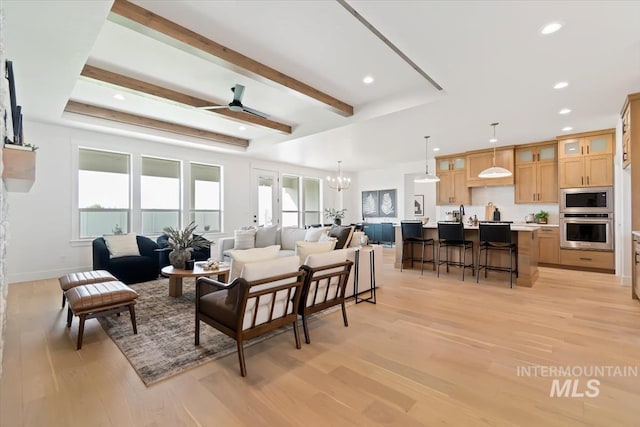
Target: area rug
{"points": [[164, 345]]}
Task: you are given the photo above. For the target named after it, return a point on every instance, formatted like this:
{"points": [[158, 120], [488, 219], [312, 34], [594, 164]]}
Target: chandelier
{"points": [[427, 177], [340, 182], [494, 171]]}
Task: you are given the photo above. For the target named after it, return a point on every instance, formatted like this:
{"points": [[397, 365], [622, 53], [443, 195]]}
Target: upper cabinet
{"points": [[586, 160], [477, 161], [536, 173], [452, 188], [630, 114]]}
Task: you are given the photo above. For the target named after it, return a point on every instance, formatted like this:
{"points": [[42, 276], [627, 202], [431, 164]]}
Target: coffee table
{"points": [[176, 275]]}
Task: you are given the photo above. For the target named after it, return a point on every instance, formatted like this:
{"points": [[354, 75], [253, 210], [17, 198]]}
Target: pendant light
{"points": [[340, 182], [427, 177], [494, 171]]}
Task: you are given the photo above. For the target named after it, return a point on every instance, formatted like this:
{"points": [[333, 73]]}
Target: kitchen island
{"points": [[526, 236]]}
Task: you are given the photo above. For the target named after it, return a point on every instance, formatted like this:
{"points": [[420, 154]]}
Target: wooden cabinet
{"points": [[452, 188], [626, 131], [477, 161], [536, 176], [18, 169], [636, 268], [549, 245], [588, 259], [586, 160]]}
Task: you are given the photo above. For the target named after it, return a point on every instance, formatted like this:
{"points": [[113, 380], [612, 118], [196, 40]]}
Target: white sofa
{"points": [[287, 238]]}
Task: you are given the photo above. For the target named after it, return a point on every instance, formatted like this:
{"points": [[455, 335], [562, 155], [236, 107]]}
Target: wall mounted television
{"points": [[16, 110]]}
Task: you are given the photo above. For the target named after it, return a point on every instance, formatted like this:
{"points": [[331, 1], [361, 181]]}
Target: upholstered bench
{"points": [[72, 280], [100, 299]]}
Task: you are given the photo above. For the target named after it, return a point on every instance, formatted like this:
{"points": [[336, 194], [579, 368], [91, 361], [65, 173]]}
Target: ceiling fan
{"points": [[236, 104]]}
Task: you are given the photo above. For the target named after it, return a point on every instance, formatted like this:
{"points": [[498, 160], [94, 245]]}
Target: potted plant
{"points": [[335, 215], [542, 217], [182, 243]]}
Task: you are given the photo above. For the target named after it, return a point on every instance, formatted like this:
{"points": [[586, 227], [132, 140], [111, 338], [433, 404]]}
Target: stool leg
{"points": [[439, 256], [80, 330], [132, 313], [422, 260], [64, 299], [486, 261], [479, 263], [464, 260], [69, 317]]}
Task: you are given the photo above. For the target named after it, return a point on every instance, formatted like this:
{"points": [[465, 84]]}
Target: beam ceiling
{"points": [[142, 20], [172, 95], [133, 119]]}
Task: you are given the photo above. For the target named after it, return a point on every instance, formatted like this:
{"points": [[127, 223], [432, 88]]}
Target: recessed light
{"points": [[119, 97], [560, 85], [551, 28], [567, 128], [436, 149], [368, 80], [493, 140], [242, 128], [564, 111]]}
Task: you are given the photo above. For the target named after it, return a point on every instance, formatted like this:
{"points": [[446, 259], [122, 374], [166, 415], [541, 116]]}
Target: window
{"points": [[290, 201], [103, 192], [159, 195], [206, 195], [312, 210]]}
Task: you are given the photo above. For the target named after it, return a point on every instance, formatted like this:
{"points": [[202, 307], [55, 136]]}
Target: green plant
{"points": [[542, 215], [185, 239], [334, 214]]}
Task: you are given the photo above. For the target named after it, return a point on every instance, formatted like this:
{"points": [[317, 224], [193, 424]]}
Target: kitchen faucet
{"points": [[461, 213]]}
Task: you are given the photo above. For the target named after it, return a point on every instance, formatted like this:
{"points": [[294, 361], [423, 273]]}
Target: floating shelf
{"points": [[18, 169]]}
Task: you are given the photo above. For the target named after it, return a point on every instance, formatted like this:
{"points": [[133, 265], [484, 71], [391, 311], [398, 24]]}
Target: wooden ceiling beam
{"points": [[133, 16], [162, 92], [133, 119]]}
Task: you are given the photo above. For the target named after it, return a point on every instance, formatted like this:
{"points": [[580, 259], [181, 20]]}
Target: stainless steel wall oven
{"points": [[586, 218]]}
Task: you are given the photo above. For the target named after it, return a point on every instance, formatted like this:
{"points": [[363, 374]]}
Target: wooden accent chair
{"points": [[264, 297], [325, 284]]}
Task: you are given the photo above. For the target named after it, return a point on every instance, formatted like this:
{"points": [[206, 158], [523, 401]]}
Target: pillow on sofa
{"points": [[266, 236], [304, 249], [342, 233], [356, 239], [244, 238], [289, 236], [313, 234], [122, 245], [243, 256]]}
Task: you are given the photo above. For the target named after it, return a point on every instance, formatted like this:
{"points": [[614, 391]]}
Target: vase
{"points": [[337, 221], [178, 257]]}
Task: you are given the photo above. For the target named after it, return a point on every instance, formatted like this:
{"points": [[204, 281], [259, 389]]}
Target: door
{"points": [[265, 188]]}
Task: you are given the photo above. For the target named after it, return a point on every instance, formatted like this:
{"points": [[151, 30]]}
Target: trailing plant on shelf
{"points": [[183, 242], [542, 217], [336, 215]]}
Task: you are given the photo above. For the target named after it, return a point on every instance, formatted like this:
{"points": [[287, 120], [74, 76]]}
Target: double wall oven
{"points": [[586, 218]]}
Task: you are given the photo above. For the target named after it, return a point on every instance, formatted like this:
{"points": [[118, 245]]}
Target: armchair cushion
{"points": [[241, 257], [320, 260], [121, 245]]}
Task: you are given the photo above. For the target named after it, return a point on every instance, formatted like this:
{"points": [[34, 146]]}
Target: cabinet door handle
{"points": [[538, 196], [586, 259], [635, 258], [581, 150], [587, 180], [582, 180], [534, 196], [587, 149]]}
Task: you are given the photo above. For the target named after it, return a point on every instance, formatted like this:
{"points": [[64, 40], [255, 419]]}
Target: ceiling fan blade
{"points": [[213, 107], [238, 91], [255, 112]]}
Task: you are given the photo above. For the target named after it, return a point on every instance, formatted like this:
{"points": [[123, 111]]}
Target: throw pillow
{"points": [[313, 234], [241, 257], [266, 236], [356, 239], [244, 238], [289, 236], [303, 249], [342, 233], [122, 245]]}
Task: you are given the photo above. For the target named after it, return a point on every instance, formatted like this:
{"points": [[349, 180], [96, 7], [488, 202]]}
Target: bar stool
{"points": [[412, 232], [496, 237], [451, 234]]}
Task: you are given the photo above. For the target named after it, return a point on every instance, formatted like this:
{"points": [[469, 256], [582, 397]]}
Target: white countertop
{"points": [[636, 234]]}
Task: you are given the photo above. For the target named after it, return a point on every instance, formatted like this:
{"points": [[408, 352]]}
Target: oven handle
{"points": [[586, 220]]}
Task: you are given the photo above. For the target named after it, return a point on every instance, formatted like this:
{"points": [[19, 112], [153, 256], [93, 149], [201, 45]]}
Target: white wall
{"points": [[41, 228]]}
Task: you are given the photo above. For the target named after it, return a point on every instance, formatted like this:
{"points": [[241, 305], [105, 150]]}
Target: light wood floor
{"points": [[431, 352]]}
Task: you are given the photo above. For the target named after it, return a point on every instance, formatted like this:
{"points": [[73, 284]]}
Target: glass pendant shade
{"points": [[427, 177], [494, 171]]}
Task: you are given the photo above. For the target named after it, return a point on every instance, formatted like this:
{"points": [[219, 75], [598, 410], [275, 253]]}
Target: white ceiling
{"points": [[489, 57]]}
